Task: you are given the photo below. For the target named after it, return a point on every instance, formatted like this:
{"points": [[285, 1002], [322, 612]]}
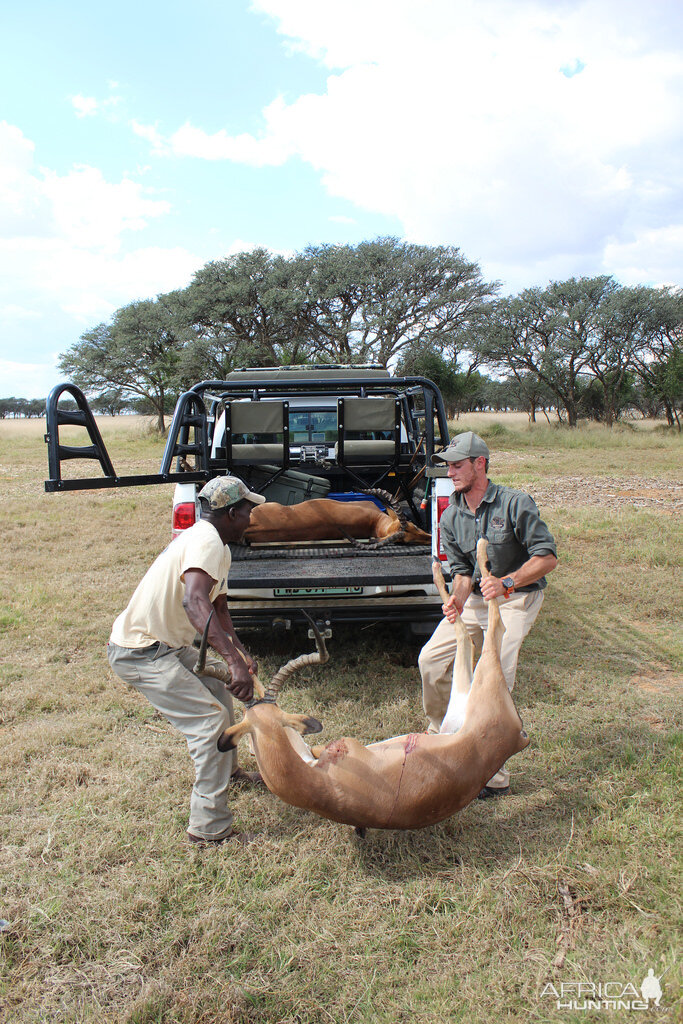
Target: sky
{"points": [[139, 141]]}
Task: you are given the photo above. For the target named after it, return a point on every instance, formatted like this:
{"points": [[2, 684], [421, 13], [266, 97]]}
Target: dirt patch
{"points": [[658, 682], [612, 492]]}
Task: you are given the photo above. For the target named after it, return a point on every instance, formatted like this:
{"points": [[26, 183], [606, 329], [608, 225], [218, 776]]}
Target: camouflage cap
{"points": [[224, 491], [465, 446]]}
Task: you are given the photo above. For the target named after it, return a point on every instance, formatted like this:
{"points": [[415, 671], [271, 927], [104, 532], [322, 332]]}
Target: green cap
{"points": [[465, 446], [223, 491]]}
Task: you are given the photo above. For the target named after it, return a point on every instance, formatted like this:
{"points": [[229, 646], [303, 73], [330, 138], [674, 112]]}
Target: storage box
{"points": [[290, 487]]}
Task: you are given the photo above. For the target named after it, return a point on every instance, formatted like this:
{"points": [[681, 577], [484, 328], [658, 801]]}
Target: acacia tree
{"points": [[529, 393], [138, 353], [378, 299], [659, 357], [618, 333], [248, 309], [546, 332], [110, 402]]}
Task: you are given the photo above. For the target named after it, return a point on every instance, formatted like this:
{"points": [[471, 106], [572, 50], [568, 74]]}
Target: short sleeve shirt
{"points": [[510, 522], [155, 611]]}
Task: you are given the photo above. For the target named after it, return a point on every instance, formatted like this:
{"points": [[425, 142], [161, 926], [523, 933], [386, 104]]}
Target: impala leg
{"points": [[495, 629], [231, 737], [463, 665]]}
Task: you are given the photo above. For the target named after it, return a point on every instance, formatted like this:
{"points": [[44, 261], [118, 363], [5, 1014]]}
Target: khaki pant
{"points": [[200, 707], [436, 659]]}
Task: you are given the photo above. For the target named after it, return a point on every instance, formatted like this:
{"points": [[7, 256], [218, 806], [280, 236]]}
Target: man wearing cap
{"points": [[151, 647], [521, 551]]}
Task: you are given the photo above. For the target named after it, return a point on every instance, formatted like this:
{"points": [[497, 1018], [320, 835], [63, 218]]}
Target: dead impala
{"points": [[324, 519], [405, 782]]}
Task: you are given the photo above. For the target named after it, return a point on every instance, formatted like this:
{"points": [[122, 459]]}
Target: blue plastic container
{"points": [[358, 496]]}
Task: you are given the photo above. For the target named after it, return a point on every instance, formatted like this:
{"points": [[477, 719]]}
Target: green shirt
{"points": [[510, 522]]}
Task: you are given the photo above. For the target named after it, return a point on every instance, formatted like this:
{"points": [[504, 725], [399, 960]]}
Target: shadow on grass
{"points": [[538, 819]]}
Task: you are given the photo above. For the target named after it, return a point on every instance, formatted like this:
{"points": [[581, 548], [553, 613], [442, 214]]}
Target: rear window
{"points": [[308, 426]]}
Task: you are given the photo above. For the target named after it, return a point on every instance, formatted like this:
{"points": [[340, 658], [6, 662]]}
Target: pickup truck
{"points": [[294, 433]]}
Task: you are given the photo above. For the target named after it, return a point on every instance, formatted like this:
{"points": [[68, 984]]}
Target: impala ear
{"points": [[303, 724]]}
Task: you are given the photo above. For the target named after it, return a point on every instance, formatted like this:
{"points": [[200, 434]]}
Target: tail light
{"points": [[441, 506], [184, 516]]}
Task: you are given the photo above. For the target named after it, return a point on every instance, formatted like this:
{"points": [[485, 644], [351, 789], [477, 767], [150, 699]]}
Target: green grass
{"points": [[575, 876]]}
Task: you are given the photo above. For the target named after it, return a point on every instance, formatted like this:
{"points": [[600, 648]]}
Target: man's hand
{"points": [[491, 587], [242, 685], [452, 609], [462, 588]]}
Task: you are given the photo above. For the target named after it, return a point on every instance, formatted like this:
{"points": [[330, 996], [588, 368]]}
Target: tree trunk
{"points": [[570, 408]]}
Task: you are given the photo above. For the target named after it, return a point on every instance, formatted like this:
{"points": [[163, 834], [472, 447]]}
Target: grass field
{"points": [[109, 916]]}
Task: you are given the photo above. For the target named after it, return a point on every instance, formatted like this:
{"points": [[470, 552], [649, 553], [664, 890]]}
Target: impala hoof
{"points": [[225, 743], [312, 725]]}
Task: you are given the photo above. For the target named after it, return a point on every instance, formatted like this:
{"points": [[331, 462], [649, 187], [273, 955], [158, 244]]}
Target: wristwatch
{"points": [[508, 585]]}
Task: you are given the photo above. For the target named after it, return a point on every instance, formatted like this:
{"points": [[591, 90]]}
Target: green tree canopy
{"points": [[247, 310], [138, 353], [371, 302], [659, 357], [546, 332]]}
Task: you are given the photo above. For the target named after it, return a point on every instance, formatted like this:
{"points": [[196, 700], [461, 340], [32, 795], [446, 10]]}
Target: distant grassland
{"points": [[111, 917]]}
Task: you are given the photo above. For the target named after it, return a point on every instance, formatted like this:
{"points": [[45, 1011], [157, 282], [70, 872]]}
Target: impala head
{"points": [[266, 715]]}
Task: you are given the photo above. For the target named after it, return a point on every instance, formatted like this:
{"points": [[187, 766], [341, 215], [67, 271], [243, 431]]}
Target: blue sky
{"points": [[139, 141]]}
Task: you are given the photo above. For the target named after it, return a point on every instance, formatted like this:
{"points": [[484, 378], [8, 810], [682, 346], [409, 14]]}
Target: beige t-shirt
{"points": [[155, 611]]}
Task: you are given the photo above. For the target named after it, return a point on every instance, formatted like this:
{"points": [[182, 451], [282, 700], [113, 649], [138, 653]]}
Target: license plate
{"points": [[316, 591]]}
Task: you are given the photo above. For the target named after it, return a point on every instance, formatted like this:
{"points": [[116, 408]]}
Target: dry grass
{"points": [[576, 876]]}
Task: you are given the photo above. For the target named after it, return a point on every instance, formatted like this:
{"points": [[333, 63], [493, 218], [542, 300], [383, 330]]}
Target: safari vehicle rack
{"points": [[96, 450], [198, 409]]}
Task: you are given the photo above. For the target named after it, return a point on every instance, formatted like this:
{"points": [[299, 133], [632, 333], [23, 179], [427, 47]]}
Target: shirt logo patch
{"points": [[497, 522]]}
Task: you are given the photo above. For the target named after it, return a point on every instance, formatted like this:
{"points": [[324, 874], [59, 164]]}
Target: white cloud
{"points": [[27, 380], [151, 133], [88, 106], [11, 312], [85, 106], [80, 207], [92, 212], [654, 256], [64, 258], [475, 122]]}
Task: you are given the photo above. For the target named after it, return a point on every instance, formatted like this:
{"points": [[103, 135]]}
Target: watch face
{"points": [[508, 581]]}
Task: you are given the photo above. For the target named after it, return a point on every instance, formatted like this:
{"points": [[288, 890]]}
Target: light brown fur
{"points": [[326, 519], [405, 782]]}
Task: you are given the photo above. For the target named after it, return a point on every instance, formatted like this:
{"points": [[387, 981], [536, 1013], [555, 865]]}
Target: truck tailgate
{"points": [[320, 566]]}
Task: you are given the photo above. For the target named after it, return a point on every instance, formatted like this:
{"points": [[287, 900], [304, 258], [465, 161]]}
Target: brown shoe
{"points": [[240, 777], [239, 838]]}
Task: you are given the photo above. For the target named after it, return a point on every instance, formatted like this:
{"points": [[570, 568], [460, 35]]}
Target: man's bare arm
{"points": [[225, 620], [198, 607]]}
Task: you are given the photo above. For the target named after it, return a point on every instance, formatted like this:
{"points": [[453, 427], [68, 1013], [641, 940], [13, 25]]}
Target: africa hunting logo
{"points": [[606, 995]]}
